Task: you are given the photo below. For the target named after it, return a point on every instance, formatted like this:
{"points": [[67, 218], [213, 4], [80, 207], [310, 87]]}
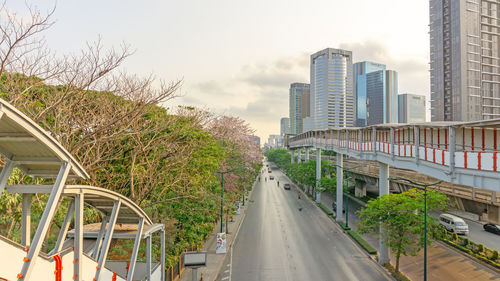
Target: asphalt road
{"points": [[277, 241]]}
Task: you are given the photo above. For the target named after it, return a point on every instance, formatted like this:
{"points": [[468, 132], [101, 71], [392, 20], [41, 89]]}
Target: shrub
{"points": [[362, 242], [480, 248], [325, 209], [454, 236], [494, 255], [466, 242]]}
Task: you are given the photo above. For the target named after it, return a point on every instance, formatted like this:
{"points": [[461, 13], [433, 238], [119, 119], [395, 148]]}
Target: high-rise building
{"points": [[411, 108], [332, 98], [285, 126], [464, 59], [360, 89], [299, 106], [382, 97]]}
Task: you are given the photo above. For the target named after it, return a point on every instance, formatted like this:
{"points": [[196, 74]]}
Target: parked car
{"points": [[271, 177], [454, 224], [287, 186], [269, 171], [493, 228]]}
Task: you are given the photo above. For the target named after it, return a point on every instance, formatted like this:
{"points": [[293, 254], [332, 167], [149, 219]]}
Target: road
{"points": [[277, 241]]}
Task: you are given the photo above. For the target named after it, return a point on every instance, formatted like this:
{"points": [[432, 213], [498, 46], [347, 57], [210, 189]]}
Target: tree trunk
{"points": [[398, 254]]}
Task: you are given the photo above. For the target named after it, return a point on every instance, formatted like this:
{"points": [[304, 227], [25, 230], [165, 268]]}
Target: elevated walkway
{"points": [[82, 253], [459, 153]]}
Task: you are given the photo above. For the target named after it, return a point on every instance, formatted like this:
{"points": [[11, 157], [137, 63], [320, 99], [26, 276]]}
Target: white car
{"points": [[454, 224]]}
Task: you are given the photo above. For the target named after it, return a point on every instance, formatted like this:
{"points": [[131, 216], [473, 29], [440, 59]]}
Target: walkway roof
{"points": [[33, 149], [103, 200]]}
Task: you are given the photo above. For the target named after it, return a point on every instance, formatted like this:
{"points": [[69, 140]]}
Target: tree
{"points": [[402, 218]]}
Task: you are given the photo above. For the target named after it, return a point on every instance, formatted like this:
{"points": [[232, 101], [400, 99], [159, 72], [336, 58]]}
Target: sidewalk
{"points": [[444, 263], [215, 261]]}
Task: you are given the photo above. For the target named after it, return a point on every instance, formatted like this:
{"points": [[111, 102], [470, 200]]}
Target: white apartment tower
{"points": [[332, 97], [464, 59]]}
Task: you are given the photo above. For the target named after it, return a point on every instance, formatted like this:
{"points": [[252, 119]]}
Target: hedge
{"points": [[362, 242], [325, 209]]}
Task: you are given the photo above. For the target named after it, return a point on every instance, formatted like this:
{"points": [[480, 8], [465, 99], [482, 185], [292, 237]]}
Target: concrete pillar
{"points": [[383, 185], [360, 188], [292, 153], [318, 174], [340, 186], [299, 156], [307, 154], [26, 220]]}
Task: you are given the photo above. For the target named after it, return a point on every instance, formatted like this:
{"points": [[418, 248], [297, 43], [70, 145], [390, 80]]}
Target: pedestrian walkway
{"points": [[215, 261], [444, 263]]}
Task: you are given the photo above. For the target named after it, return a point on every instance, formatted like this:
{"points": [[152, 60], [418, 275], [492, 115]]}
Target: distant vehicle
{"points": [[271, 177], [493, 228], [454, 224], [269, 171], [267, 165], [334, 207], [286, 186]]}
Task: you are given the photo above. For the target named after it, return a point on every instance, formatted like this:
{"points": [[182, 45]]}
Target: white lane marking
{"points": [[225, 278]]}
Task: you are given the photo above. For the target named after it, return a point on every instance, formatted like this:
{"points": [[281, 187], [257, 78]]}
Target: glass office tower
{"points": [[298, 106], [332, 97], [360, 89]]}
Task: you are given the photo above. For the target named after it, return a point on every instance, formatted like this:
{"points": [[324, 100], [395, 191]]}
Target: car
{"points": [[287, 186], [454, 224], [269, 171], [493, 228], [271, 177]]}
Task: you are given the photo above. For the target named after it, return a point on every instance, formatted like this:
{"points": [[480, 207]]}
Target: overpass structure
{"points": [[463, 153], [80, 253]]}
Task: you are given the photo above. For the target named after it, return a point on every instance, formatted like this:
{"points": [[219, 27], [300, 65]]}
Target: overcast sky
{"points": [[238, 57]]}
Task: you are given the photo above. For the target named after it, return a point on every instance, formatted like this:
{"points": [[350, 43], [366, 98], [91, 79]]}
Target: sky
{"points": [[239, 57]]}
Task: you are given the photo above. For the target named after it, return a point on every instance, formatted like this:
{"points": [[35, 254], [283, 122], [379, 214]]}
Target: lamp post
{"points": [[347, 194], [425, 214], [222, 192]]}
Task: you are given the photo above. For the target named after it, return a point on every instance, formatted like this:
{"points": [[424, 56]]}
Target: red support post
{"points": [[439, 145], [472, 138], [482, 136], [495, 139]]}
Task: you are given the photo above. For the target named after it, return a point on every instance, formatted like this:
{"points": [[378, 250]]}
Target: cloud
{"points": [[413, 72], [258, 91], [278, 74]]}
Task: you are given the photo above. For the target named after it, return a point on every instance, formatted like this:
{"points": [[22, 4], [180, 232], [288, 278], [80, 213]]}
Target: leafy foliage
{"points": [[402, 218]]}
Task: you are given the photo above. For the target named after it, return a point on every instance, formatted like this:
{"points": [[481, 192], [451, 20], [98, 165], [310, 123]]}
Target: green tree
{"points": [[402, 217]]}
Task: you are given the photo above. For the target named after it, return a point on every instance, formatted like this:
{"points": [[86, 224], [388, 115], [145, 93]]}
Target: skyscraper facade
{"points": [[382, 97], [284, 126], [299, 107], [360, 89], [411, 108], [332, 98], [464, 60]]}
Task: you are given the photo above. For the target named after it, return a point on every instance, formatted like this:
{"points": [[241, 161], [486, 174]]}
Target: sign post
{"points": [[194, 260], [221, 243]]}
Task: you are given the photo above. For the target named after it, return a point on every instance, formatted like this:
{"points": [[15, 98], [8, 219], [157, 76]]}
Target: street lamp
{"points": [[348, 170], [425, 214], [222, 191]]}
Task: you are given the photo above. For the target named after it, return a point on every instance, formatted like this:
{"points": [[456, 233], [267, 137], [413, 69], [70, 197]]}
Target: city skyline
{"points": [[234, 64]]}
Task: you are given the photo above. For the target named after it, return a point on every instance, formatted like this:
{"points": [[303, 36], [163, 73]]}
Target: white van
{"points": [[454, 224]]}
